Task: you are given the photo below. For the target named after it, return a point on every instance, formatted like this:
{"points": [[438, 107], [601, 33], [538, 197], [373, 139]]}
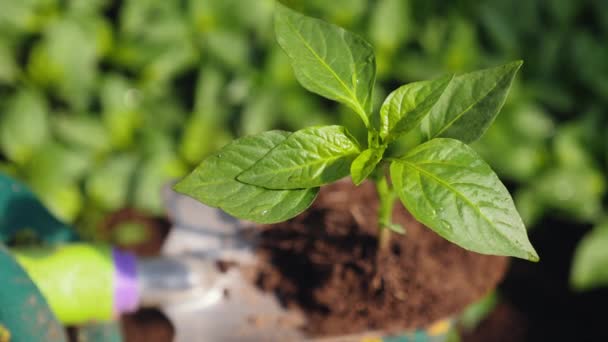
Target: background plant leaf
{"points": [[590, 259], [24, 126]]}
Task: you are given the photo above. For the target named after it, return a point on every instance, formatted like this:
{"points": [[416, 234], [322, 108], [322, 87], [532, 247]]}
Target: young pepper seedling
{"points": [[273, 176]]}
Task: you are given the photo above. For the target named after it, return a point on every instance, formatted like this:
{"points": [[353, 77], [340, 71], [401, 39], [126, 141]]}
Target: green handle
{"points": [[76, 279], [24, 313]]}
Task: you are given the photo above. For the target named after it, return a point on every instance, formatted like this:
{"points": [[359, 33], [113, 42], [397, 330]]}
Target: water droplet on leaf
{"points": [[260, 210]]}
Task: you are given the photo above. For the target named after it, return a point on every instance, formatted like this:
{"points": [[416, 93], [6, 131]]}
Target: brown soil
{"points": [[147, 325], [323, 262]]}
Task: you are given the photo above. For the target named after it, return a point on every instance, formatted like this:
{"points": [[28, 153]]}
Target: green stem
{"points": [[373, 138], [384, 238], [387, 198]]}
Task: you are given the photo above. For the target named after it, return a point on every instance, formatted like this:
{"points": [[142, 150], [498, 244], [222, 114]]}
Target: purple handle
{"points": [[126, 292]]}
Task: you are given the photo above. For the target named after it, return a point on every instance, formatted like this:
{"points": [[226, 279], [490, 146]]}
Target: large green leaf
{"points": [[328, 60], [577, 191], [405, 107], [214, 182], [470, 103], [590, 260], [308, 158], [446, 186], [365, 164]]}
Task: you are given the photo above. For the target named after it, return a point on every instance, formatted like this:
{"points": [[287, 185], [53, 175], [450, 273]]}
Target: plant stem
{"points": [[384, 238], [373, 138], [387, 198]]}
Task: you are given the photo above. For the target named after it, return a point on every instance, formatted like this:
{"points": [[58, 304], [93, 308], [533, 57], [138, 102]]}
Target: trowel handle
{"points": [[87, 282], [82, 282]]}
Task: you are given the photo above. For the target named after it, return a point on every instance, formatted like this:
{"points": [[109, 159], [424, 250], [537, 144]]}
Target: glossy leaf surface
{"points": [[365, 164], [446, 186], [214, 182], [470, 103], [308, 158], [405, 107], [327, 59]]}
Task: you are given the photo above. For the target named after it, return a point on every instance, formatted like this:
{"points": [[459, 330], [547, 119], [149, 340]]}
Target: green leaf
{"points": [[70, 73], [344, 12], [390, 23], [54, 163], [365, 164], [529, 206], [405, 107], [590, 259], [214, 182], [577, 191], [308, 158], [54, 172], [203, 127], [64, 201], [121, 109], [516, 143], [24, 126], [476, 312], [153, 173], [109, 186], [82, 131], [260, 113], [230, 47], [9, 69], [446, 186], [328, 60], [470, 103]]}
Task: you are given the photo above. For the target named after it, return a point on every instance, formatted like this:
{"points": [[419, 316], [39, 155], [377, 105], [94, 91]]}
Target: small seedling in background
{"points": [[130, 234], [444, 184]]}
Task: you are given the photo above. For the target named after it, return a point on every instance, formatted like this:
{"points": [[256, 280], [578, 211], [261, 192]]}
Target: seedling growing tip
{"points": [[443, 183]]}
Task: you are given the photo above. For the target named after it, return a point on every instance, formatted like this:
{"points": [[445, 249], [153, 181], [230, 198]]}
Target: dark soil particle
{"points": [[325, 263], [147, 325]]}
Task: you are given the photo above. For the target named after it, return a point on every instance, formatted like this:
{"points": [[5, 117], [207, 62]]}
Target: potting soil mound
{"points": [[324, 262]]}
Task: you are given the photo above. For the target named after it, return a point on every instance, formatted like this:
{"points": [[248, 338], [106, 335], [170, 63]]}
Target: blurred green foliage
{"points": [[103, 101]]}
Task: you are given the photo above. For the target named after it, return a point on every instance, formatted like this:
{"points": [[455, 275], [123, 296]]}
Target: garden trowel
{"points": [[203, 297], [203, 279]]}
